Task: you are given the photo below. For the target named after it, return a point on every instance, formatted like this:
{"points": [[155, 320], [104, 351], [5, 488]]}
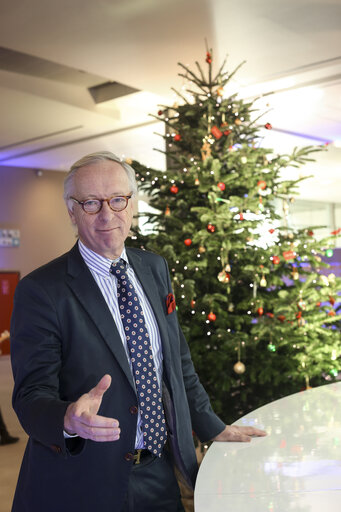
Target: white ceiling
{"points": [[292, 50]]}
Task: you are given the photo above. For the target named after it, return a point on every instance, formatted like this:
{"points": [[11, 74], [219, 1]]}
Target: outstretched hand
{"points": [[81, 416], [233, 433]]}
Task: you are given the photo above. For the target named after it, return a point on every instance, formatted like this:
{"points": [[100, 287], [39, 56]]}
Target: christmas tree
{"points": [[255, 300]]}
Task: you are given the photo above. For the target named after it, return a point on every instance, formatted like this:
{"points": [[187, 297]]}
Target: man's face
{"points": [[103, 232]]}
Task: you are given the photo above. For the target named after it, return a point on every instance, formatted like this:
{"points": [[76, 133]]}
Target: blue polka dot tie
{"points": [[141, 357]]}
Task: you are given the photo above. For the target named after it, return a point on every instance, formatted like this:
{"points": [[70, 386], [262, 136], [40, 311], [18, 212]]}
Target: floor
{"points": [[10, 455]]}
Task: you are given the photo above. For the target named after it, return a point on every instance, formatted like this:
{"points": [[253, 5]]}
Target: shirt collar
{"points": [[98, 263]]}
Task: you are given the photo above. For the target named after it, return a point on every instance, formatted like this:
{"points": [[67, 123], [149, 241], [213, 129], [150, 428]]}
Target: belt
{"points": [[142, 455]]}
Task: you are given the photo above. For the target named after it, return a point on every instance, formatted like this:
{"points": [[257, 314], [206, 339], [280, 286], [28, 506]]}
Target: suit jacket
{"points": [[63, 340]]}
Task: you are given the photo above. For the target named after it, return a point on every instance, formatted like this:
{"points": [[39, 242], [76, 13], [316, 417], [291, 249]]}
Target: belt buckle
{"points": [[137, 456]]}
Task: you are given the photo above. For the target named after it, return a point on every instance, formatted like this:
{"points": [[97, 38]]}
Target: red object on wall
{"points": [[8, 283]]}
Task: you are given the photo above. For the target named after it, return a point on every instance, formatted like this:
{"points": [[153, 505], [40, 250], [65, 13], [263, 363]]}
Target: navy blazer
{"points": [[63, 340]]}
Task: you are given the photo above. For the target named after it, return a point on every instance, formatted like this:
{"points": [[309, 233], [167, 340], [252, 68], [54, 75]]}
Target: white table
{"points": [[296, 468]]}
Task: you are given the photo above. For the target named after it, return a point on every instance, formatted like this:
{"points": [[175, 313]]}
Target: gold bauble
{"points": [[295, 275], [239, 367], [223, 277], [263, 282], [202, 249]]}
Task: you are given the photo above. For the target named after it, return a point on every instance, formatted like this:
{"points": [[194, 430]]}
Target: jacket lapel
{"points": [[89, 295]]}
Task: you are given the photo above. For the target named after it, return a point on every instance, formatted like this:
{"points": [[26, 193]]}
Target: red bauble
{"points": [[271, 231], [310, 232], [227, 132], [261, 184], [241, 216], [160, 112], [260, 311], [281, 318], [270, 315], [216, 132], [177, 137], [192, 303], [174, 189], [221, 185], [211, 316], [276, 260], [188, 242], [332, 300], [331, 313], [268, 126], [210, 228]]}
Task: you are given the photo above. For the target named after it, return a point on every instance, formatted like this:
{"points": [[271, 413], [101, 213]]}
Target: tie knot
{"points": [[118, 268]]}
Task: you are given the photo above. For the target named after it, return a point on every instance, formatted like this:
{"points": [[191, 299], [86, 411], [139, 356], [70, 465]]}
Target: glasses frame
{"points": [[81, 203]]}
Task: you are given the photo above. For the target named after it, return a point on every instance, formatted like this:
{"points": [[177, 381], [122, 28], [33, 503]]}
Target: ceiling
{"points": [[51, 53]]}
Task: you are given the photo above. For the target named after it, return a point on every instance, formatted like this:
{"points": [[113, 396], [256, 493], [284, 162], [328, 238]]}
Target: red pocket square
{"points": [[170, 303]]}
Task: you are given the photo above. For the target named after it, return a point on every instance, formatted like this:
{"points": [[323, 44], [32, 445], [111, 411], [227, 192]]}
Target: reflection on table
{"points": [[297, 467]]}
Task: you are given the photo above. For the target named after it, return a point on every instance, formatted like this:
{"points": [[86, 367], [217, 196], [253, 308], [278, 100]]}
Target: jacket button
{"points": [[55, 448], [133, 409], [129, 456]]}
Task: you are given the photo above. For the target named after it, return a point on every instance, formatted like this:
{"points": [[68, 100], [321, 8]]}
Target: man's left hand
{"points": [[233, 433]]}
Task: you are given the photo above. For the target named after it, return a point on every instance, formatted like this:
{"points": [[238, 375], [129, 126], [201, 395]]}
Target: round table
{"points": [[295, 468]]}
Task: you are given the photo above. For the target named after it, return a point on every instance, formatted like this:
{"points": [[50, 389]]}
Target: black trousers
{"points": [[153, 487]]}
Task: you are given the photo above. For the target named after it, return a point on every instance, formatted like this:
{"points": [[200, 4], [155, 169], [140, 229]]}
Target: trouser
{"points": [[153, 486]]}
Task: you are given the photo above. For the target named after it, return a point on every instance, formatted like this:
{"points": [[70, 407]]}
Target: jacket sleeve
{"points": [[36, 353], [205, 423]]}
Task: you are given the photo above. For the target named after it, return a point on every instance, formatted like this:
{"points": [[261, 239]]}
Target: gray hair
{"points": [[93, 158]]}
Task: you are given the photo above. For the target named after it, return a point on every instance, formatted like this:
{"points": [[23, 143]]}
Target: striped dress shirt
{"points": [[99, 267]]}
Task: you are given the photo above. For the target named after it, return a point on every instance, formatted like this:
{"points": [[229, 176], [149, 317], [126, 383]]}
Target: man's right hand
{"points": [[81, 417]]}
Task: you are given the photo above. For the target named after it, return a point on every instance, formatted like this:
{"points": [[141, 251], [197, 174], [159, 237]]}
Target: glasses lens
{"points": [[118, 203], [92, 206]]}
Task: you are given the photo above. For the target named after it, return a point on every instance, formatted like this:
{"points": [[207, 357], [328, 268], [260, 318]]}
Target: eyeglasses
{"points": [[116, 203]]}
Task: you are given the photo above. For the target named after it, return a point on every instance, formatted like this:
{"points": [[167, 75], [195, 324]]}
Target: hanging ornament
{"points": [[224, 277], [210, 228], [174, 189], [237, 122], [271, 231], [243, 160], [205, 151], [261, 184], [160, 112], [289, 255], [188, 242], [310, 232], [271, 347], [216, 132], [177, 137], [301, 322], [263, 282], [270, 315], [196, 182], [221, 185], [301, 304], [208, 58], [239, 367], [211, 317], [329, 253], [241, 216], [227, 132], [331, 313], [220, 91], [202, 249], [230, 307], [281, 318], [268, 126], [276, 260], [295, 274], [336, 232], [260, 311], [167, 211], [192, 303]]}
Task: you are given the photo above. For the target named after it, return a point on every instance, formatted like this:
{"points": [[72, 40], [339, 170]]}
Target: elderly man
{"points": [[104, 382]]}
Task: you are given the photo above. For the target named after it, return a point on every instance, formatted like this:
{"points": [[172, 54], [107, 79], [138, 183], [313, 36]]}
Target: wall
{"points": [[35, 206]]}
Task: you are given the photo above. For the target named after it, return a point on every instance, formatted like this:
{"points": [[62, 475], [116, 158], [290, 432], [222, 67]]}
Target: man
{"points": [[75, 361]]}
